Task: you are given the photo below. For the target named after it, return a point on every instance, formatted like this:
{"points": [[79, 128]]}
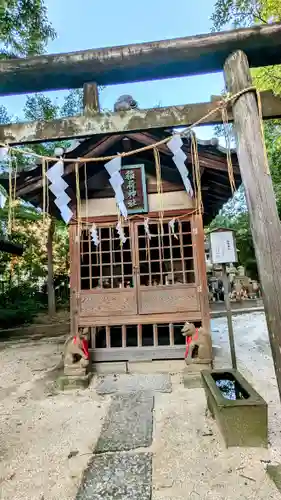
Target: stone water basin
{"points": [[240, 412]]}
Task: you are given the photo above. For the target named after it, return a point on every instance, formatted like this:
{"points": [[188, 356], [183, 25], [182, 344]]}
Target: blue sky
{"points": [[95, 23]]}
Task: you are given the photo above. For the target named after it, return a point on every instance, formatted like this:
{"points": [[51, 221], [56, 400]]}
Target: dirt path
{"points": [[47, 438], [40, 429]]}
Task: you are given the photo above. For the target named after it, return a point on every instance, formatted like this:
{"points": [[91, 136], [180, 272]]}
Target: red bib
{"points": [[85, 347], [188, 340]]}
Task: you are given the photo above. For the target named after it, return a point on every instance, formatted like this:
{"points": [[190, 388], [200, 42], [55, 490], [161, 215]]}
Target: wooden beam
{"points": [[123, 122], [106, 123], [265, 223], [12, 248], [91, 98], [140, 62]]}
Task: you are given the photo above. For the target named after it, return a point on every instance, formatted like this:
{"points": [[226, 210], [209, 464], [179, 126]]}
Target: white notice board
{"points": [[223, 247]]}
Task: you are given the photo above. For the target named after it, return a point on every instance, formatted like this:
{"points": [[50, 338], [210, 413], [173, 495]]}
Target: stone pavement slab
{"points": [[117, 476], [135, 383], [129, 423]]}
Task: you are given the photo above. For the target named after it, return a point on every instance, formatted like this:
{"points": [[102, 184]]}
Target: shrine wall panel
{"points": [[107, 303], [175, 200], [161, 299]]}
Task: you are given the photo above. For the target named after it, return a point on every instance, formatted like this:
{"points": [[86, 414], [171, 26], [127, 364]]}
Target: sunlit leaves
{"points": [[24, 28]]}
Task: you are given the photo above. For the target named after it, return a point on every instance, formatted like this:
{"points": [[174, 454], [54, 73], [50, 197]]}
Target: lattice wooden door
{"points": [[107, 280], [166, 268]]}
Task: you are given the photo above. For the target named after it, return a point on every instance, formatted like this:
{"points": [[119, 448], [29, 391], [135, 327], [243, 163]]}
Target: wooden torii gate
{"points": [[261, 46]]}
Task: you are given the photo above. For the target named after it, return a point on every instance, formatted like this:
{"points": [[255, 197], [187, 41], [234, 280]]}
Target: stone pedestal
{"points": [[274, 472], [74, 381], [73, 370], [192, 374]]}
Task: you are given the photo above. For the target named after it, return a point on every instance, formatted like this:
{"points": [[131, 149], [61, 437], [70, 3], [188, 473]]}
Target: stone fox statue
{"points": [[198, 345], [75, 352]]}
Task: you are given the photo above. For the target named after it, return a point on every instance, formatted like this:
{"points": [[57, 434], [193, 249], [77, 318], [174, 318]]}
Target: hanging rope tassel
{"points": [[14, 192], [267, 170], [10, 209], [196, 172], [44, 187], [86, 193], [78, 199], [225, 122], [159, 195]]}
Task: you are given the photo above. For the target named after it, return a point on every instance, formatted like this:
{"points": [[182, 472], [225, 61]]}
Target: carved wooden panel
{"points": [[168, 299], [137, 353], [108, 303]]}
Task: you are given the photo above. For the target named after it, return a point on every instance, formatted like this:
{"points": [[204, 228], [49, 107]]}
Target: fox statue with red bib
{"points": [[198, 345]]}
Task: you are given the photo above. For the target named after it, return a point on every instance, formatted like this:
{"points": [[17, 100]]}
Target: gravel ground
{"points": [[117, 477], [190, 460], [47, 438]]}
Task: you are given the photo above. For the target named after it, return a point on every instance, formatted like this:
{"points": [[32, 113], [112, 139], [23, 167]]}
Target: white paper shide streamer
{"points": [[94, 235], [113, 168], [120, 232], [58, 187], [172, 227], [4, 158], [179, 158], [146, 228], [3, 199], [4, 154]]}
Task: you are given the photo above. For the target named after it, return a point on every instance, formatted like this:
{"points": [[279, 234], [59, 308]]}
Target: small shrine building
{"points": [[136, 295]]}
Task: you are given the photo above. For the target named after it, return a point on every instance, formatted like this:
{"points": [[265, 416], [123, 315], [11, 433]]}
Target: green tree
{"points": [[242, 13], [29, 230], [41, 107], [73, 103], [244, 241], [24, 28]]}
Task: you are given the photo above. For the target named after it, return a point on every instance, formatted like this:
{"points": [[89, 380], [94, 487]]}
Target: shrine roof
{"points": [[215, 183]]}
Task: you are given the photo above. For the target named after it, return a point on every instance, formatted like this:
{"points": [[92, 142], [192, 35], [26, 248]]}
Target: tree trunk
{"points": [[50, 281]]}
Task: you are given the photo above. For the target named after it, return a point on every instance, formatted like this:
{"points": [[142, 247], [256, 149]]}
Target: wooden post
{"points": [[265, 223], [74, 252], [229, 316], [91, 98], [50, 279], [199, 259]]}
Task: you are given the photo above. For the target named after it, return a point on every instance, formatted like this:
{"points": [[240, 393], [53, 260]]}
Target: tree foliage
{"points": [[24, 278], [29, 228], [73, 103], [243, 13], [24, 28]]}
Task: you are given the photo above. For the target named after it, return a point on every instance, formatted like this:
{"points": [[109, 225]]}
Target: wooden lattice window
{"points": [[166, 258], [148, 335], [108, 265]]}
